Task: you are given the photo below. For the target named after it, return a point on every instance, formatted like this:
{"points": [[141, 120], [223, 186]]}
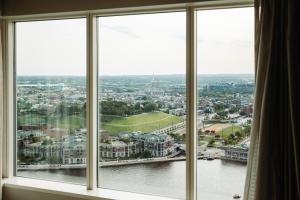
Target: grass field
{"points": [[145, 122], [70, 122], [217, 127], [229, 130]]}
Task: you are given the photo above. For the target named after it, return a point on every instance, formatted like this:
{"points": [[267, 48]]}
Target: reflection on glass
{"points": [[225, 100], [51, 100], [142, 101]]}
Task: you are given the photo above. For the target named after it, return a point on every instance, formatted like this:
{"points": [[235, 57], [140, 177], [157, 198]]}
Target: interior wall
{"points": [[1, 7], [24, 194], [27, 7]]}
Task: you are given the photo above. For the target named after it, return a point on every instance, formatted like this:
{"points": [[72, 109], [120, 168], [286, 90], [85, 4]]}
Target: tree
{"points": [[231, 136], [238, 134], [207, 110], [150, 107], [126, 140], [242, 113], [54, 160], [144, 98], [200, 132], [146, 154], [137, 106], [47, 142], [223, 114], [247, 130], [219, 107], [62, 109], [74, 109], [233, 109], [115, 108], [211, 142]]}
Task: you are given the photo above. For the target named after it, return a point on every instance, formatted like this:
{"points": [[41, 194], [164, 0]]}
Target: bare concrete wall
{"points": [[25, 7]]}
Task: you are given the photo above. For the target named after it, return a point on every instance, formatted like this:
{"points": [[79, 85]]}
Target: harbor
{"points": [[236, 154], [218, 179]]}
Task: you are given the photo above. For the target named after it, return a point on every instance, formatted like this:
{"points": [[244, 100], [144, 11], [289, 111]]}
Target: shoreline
{"points": [[209, 156], [115, 163], [101, 164]]}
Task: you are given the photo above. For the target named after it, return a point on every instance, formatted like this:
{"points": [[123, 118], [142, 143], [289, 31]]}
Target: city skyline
{"points": [[116, 75]]}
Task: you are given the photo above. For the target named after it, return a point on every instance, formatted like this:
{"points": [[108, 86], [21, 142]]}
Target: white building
{"points": [[74, 149], [236, 153]]}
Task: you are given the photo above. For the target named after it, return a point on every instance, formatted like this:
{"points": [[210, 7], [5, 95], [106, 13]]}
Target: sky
{"points": [[139, 44]]}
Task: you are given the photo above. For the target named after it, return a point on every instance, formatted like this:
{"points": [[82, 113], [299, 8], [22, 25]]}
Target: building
{"points": [[236, 153], [118, 149], [32, 133], [158, 145], [50, 152], [74, 149], [177, 111], [247, 110], [57, 133], [33, 149]]}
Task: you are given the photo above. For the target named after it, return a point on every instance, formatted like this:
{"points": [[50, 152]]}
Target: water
{"points": [[217, 180]]}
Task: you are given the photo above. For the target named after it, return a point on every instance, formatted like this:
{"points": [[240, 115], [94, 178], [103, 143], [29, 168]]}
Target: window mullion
{"points": [[91, 103], [191, 133], [8, 108]]}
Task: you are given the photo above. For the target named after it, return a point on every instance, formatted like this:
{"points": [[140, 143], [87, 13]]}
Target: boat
{"points": [[210, 158], [236, 196]]}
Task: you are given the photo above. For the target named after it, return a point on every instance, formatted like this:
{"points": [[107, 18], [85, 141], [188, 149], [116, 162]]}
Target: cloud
{"points": [[121, 29]]}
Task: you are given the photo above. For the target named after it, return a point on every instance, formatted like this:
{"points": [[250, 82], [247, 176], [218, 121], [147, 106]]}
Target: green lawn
{"points": [[202, 142], [70, 122], [145, 122], [229, 130]]}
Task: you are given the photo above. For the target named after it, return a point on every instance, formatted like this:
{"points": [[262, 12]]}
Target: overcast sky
{"points": [[139, 44]]}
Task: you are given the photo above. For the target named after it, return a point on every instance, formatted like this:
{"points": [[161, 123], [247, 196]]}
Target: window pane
{"points": [[142, 103], [225, 98], [51, 100]]}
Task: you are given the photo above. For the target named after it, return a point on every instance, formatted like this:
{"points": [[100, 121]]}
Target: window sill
{"points": [[73, 190]]}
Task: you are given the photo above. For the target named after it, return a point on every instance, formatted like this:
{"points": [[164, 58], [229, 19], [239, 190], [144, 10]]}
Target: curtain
{"points": [[273, 164], [1, 107]]}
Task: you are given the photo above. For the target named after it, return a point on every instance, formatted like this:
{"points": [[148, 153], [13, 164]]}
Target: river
{"points": [[217, 179]]}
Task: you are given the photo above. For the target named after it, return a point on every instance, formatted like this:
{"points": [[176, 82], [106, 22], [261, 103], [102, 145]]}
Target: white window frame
{"points": [[9, 145]]}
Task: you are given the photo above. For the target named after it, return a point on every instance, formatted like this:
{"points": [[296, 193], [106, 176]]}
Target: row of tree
{"points": [[120, 108]]}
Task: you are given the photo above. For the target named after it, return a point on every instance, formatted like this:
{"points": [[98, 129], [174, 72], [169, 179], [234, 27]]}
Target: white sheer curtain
{"points": [[1, 106], [250, 184]]}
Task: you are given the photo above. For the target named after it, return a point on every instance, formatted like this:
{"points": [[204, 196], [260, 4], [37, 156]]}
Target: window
{"points": [[142, 103], [143, 85], [225, 65], [51, 99]]}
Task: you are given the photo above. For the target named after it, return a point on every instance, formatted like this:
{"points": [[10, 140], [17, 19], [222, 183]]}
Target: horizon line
{"points": [[52, 75]]}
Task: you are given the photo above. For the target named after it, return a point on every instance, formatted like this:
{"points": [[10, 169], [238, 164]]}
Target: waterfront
{"points": [[217, 180]]}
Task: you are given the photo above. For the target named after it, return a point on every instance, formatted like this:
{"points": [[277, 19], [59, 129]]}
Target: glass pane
{"points": [[225, 85], [51, 100], [142, 101]]}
